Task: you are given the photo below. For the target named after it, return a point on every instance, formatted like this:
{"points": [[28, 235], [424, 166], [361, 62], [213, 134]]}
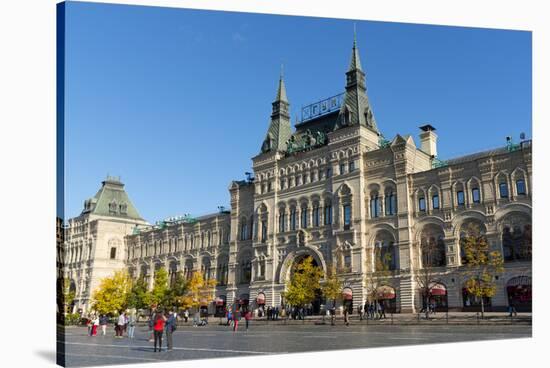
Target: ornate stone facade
{"points": [[338, 202]]}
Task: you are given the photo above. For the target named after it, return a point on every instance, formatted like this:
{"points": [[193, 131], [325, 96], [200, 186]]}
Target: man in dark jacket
{"points": [[170, 327]]}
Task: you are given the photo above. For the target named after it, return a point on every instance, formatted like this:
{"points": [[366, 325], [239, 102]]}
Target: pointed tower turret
{"points": [[356, 108], [279, 128]]}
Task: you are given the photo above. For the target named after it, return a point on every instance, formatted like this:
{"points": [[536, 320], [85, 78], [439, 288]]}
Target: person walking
{"points": [[247, 318], [158, 327], [120, 325], [103, 320], [151, 325], [131, 325], [346, 316], [89, 324], [236, 318], [95, 324], [360, 311], [382, 311], [170, 328], [229, 317]]}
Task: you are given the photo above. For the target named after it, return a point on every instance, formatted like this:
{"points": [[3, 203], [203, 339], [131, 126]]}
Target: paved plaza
{"points": [[215, 341]]}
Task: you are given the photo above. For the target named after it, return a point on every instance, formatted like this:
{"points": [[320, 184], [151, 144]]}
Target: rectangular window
{"points": [[422, 204], [520, 187], [329, 173], [475, 195], [347, 216], [304, 218], [435, 201], [351, 166], [393, 202], [460, 197], [316, 216], [387, 205], [113, 253], [282, 184], [328, 215], [244, 231], [320, 175], [269, 186], [293, 219], [503, 187]]}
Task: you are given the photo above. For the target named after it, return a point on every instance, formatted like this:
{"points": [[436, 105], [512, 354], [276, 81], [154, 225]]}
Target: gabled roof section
{"points": [[111, 200]]}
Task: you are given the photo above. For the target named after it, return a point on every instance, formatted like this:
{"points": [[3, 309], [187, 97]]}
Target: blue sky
{"points": [[177, 101]]}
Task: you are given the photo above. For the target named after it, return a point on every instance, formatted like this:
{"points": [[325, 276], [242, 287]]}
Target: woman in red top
{"points": [[158, 327]]}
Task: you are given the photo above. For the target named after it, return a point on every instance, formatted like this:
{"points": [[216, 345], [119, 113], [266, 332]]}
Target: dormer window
{"points": [[113, 207], [123, 208]]}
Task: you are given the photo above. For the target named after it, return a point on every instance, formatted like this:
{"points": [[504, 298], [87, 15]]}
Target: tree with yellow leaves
{"points": [[199, 292], [483, 265], [303, 283], [111, 297]]}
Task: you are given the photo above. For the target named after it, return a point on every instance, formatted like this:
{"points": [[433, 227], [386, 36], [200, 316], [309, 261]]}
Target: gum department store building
{"points": [[335, 190]]}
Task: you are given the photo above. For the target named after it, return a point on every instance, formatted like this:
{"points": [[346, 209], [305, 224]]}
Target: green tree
{"points": [[112, 294], [332, 287], [177, 290], [482, 264], [138, 294], [305, 280], [157, 296]]}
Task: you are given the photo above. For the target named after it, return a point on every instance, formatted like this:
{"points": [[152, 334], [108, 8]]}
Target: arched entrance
{"points": [[386, 296], [220, 303], [519, 293], [315, 305]]}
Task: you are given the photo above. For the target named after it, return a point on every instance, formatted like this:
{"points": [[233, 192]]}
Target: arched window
{"points": [[293, 218], [503, 189], [390, 202], [328, 213], [432, 246], [375, 205], [303, 214], [282, 219], [246, 271], [520, 187], [172, 272], [385, 252], [205, 268], [244, 230], [223, 270], [516, 238], [422, 203]]}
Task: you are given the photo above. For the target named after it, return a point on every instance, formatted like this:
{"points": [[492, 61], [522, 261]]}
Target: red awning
{"points": [[219, 301], [385, 292], [437, 289], [347, 294]]}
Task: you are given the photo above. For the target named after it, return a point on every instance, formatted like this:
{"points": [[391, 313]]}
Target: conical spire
{"points": [[355, 63], [356, 108], [279, 130], [281, 91]]}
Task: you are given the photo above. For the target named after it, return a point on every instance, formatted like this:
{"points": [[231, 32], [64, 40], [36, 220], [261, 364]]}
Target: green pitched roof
{"points": [[111, 200]]}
